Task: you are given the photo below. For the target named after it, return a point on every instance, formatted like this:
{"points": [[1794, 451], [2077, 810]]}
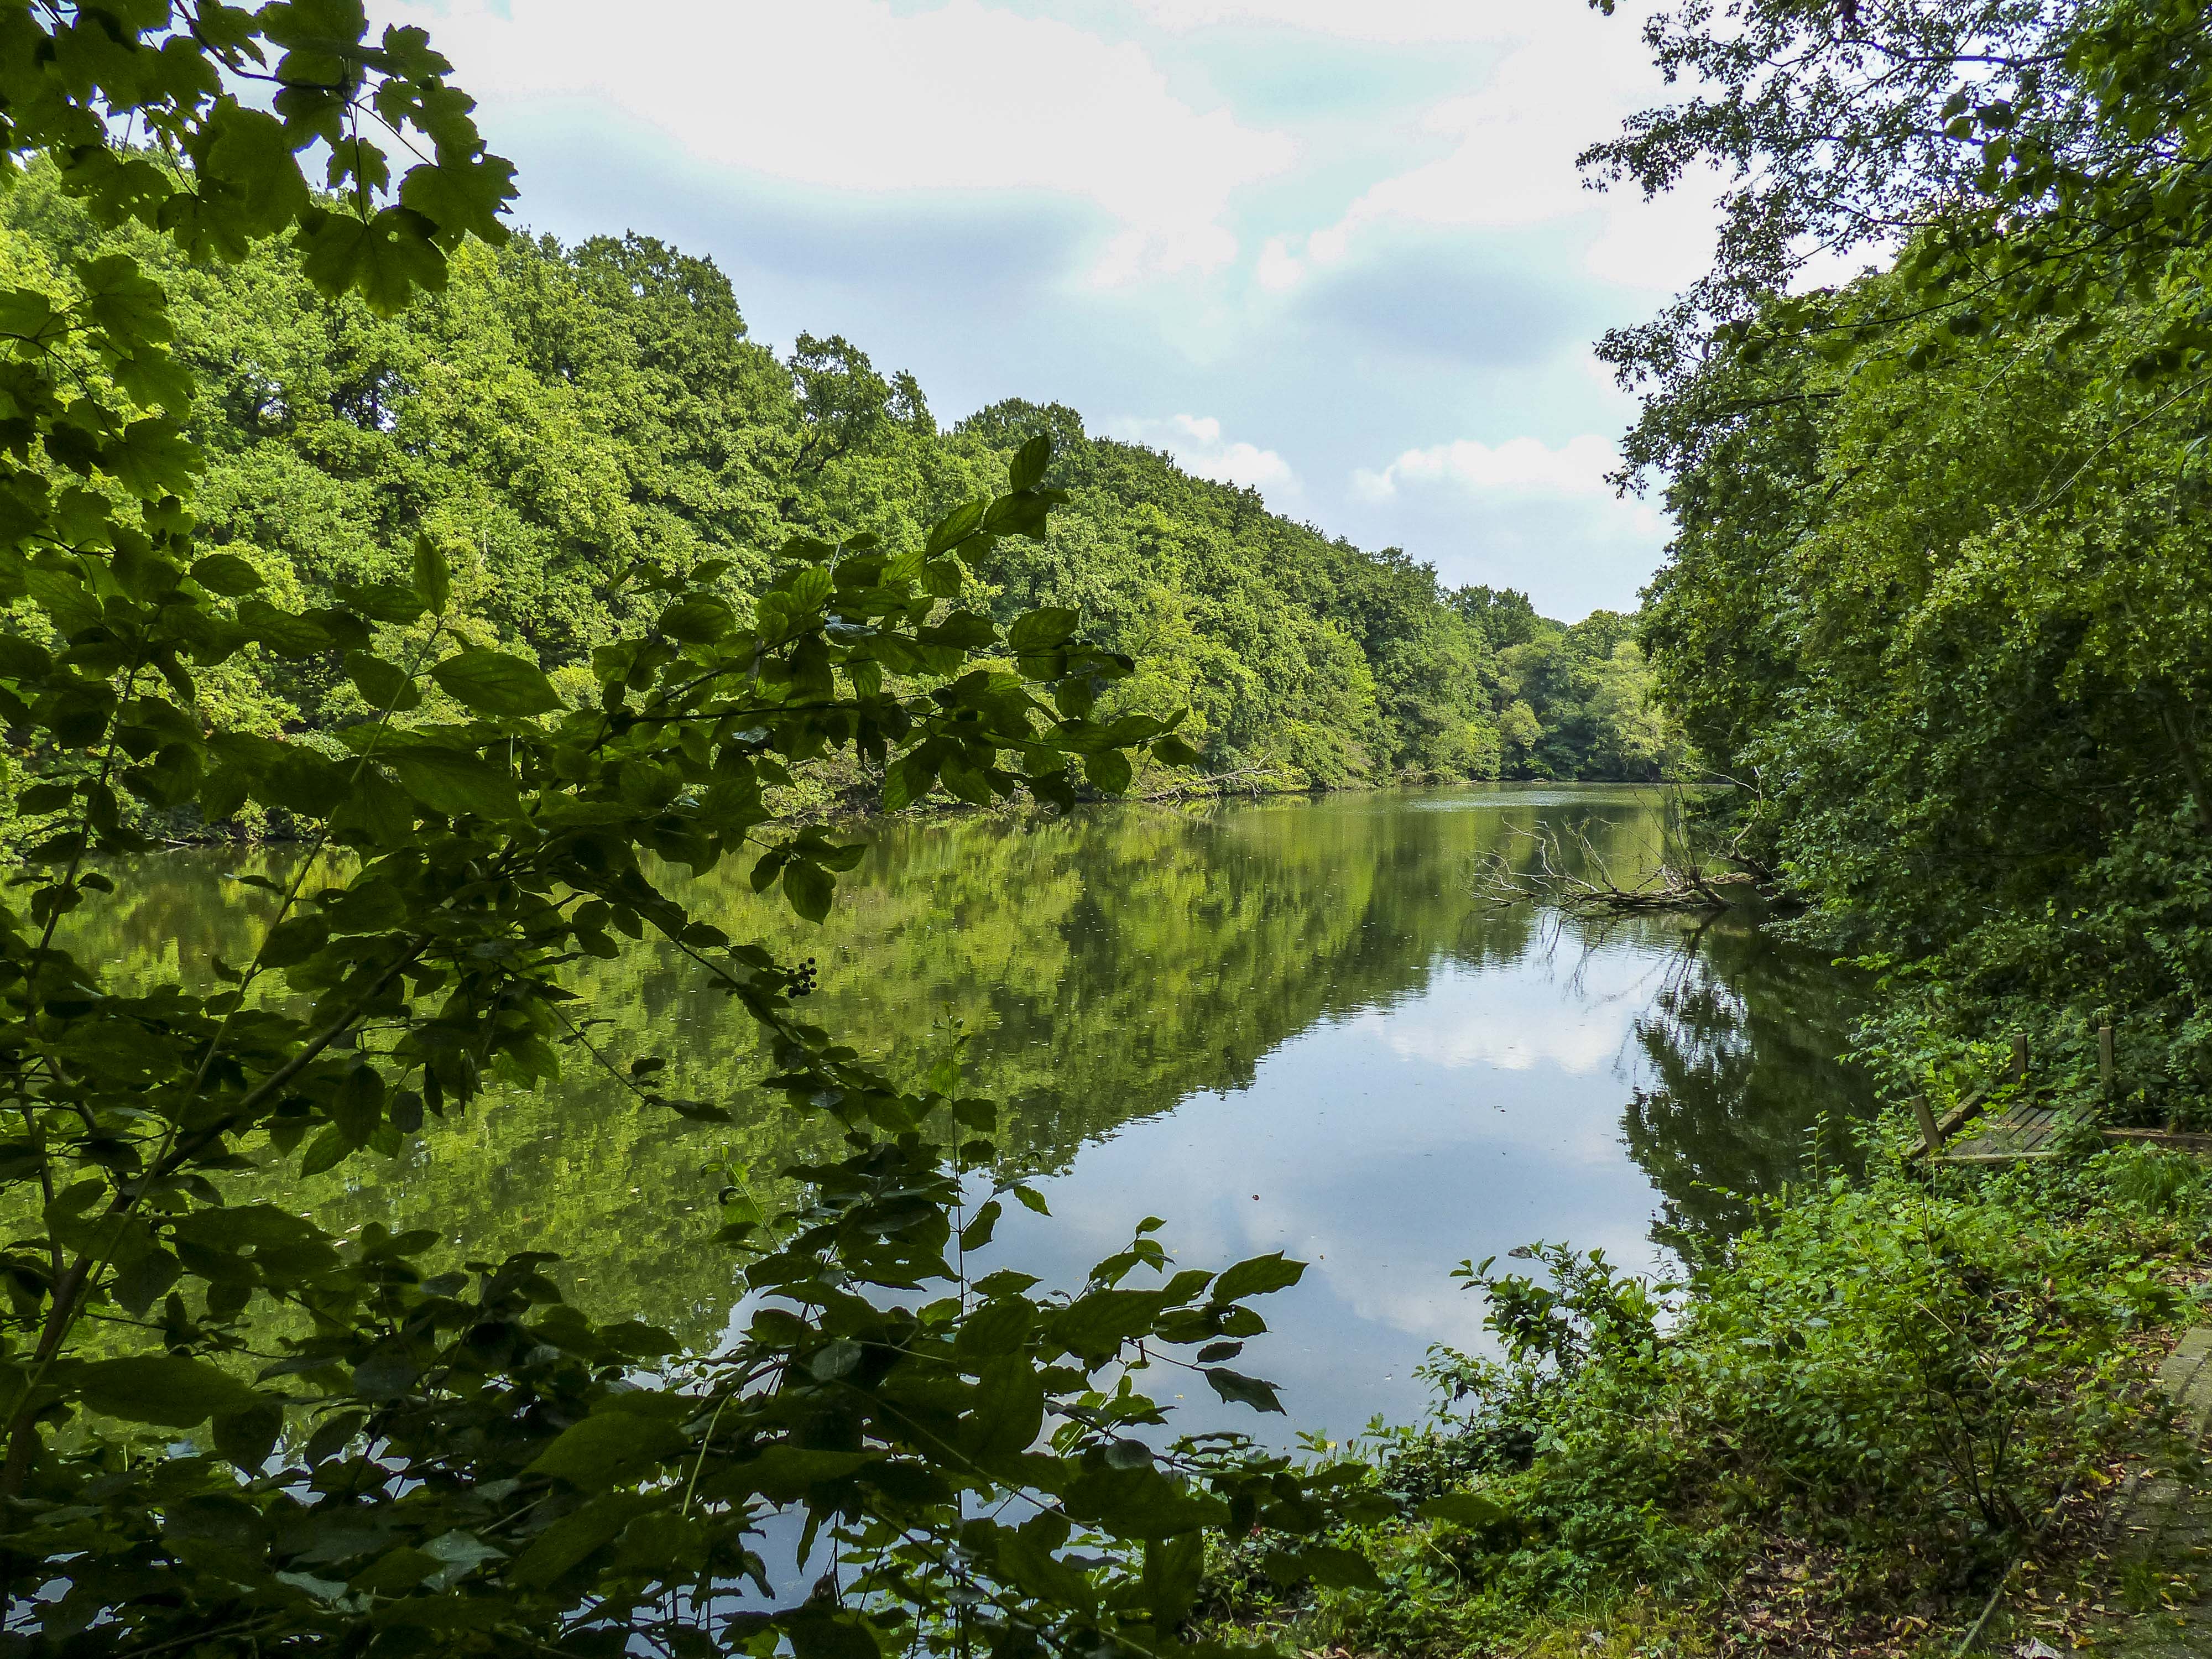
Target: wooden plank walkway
{"points": [[2026, 1128]]}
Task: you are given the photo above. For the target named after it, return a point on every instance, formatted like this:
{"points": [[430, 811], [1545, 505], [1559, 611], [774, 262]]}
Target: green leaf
{"points": [[1040, 630], [387, 260], [955, 527], [457, 784], [1174, 1568], [698, 621], [1463, 1508], [1326, 1564], [152, 457], [808, 887], [165, 1389], [605, 1446], [1107, 771], [383, 685], [963, 630], [1038, 1570], [493, 682], [248, 1435], [575, 1536], [294, 940], [384, 602], [1030, 462], [461, 199], [819, 1633], [282, 631], [225, 573], [27, 315], [433, 582], [1008, 1413], [326, 1152], [1236, 1387], [1257, 1277], [250, 156], [907, 781]]}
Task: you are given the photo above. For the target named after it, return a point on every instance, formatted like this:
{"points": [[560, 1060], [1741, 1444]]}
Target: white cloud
{"points": [[1519, 466], [1277, 269], [849, 95], [1565, 77], [1401, 22], [1198, 446]]}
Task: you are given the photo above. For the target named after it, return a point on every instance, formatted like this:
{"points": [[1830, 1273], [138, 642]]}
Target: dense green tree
{"points": [[558, 413], [1939, 597]]}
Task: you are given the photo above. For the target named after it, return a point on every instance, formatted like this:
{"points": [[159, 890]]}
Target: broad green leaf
{"points": [[433, 582], [152, 457], [1038, 1570], [493, 682], [606, 1445], [166, 1389], [809, 888], [1039, 630], [1331, 1567], [383, 685], [329, 1149], [817, 1632], [225, 573], [698, 621], [1008, 1412], [1107, 771], [246, 1436], [387, 259], [1237, 1388], [955, 527], [1257, 1276], [462, 198], [1174, 1568], [455, 783], [1462, 1508], [906, 782], [576, 1536], [1030, 462], [286, 633]]}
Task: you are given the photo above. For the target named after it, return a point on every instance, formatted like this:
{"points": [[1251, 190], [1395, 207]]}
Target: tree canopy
{"points": [[555, 414], [1939, 596]]}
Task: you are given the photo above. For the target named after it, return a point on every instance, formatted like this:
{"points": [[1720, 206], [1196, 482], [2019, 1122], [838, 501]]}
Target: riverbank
{"points": [[1843, 1434]]}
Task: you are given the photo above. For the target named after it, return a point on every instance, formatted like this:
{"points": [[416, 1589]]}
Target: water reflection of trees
{"points": [[1746, 1089], [1109, 965]]}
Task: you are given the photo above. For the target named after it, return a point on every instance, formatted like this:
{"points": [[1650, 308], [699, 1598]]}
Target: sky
{"points": [[1336, 250]]}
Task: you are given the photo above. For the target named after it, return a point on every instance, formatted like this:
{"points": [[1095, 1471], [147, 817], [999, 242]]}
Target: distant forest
{"points": [[560, 415]]}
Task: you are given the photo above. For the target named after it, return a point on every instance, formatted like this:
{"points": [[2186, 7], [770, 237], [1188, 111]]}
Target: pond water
{"points": [[1288, 1024]]}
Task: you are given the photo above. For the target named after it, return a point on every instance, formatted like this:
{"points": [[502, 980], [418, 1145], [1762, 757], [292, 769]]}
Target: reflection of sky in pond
{"points": [[1481, 1114]]}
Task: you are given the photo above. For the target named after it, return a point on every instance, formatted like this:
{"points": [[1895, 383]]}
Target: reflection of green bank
{"points": [[1108, 965]]}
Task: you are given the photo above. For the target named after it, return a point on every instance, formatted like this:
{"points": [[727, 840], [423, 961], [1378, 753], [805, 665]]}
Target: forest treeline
{"points": [[561, 417], [1939, 595]]}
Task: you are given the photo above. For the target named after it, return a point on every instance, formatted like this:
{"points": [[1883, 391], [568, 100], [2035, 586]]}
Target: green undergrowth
{"points": [[1839, 1432]]}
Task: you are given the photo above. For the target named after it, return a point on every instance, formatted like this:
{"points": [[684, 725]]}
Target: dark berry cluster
{"points": [[805, 980]]}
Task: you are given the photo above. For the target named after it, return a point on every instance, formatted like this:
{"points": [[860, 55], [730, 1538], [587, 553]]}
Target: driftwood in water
{"points": [[1252, 781], [1585, 880]]}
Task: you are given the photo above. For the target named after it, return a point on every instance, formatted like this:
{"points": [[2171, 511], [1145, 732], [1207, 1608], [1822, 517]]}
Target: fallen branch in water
{"points": [[1583, 880], [1264, 780]]}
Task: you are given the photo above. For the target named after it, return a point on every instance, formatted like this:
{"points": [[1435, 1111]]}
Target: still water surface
{"points": [[1287, 1025]]}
